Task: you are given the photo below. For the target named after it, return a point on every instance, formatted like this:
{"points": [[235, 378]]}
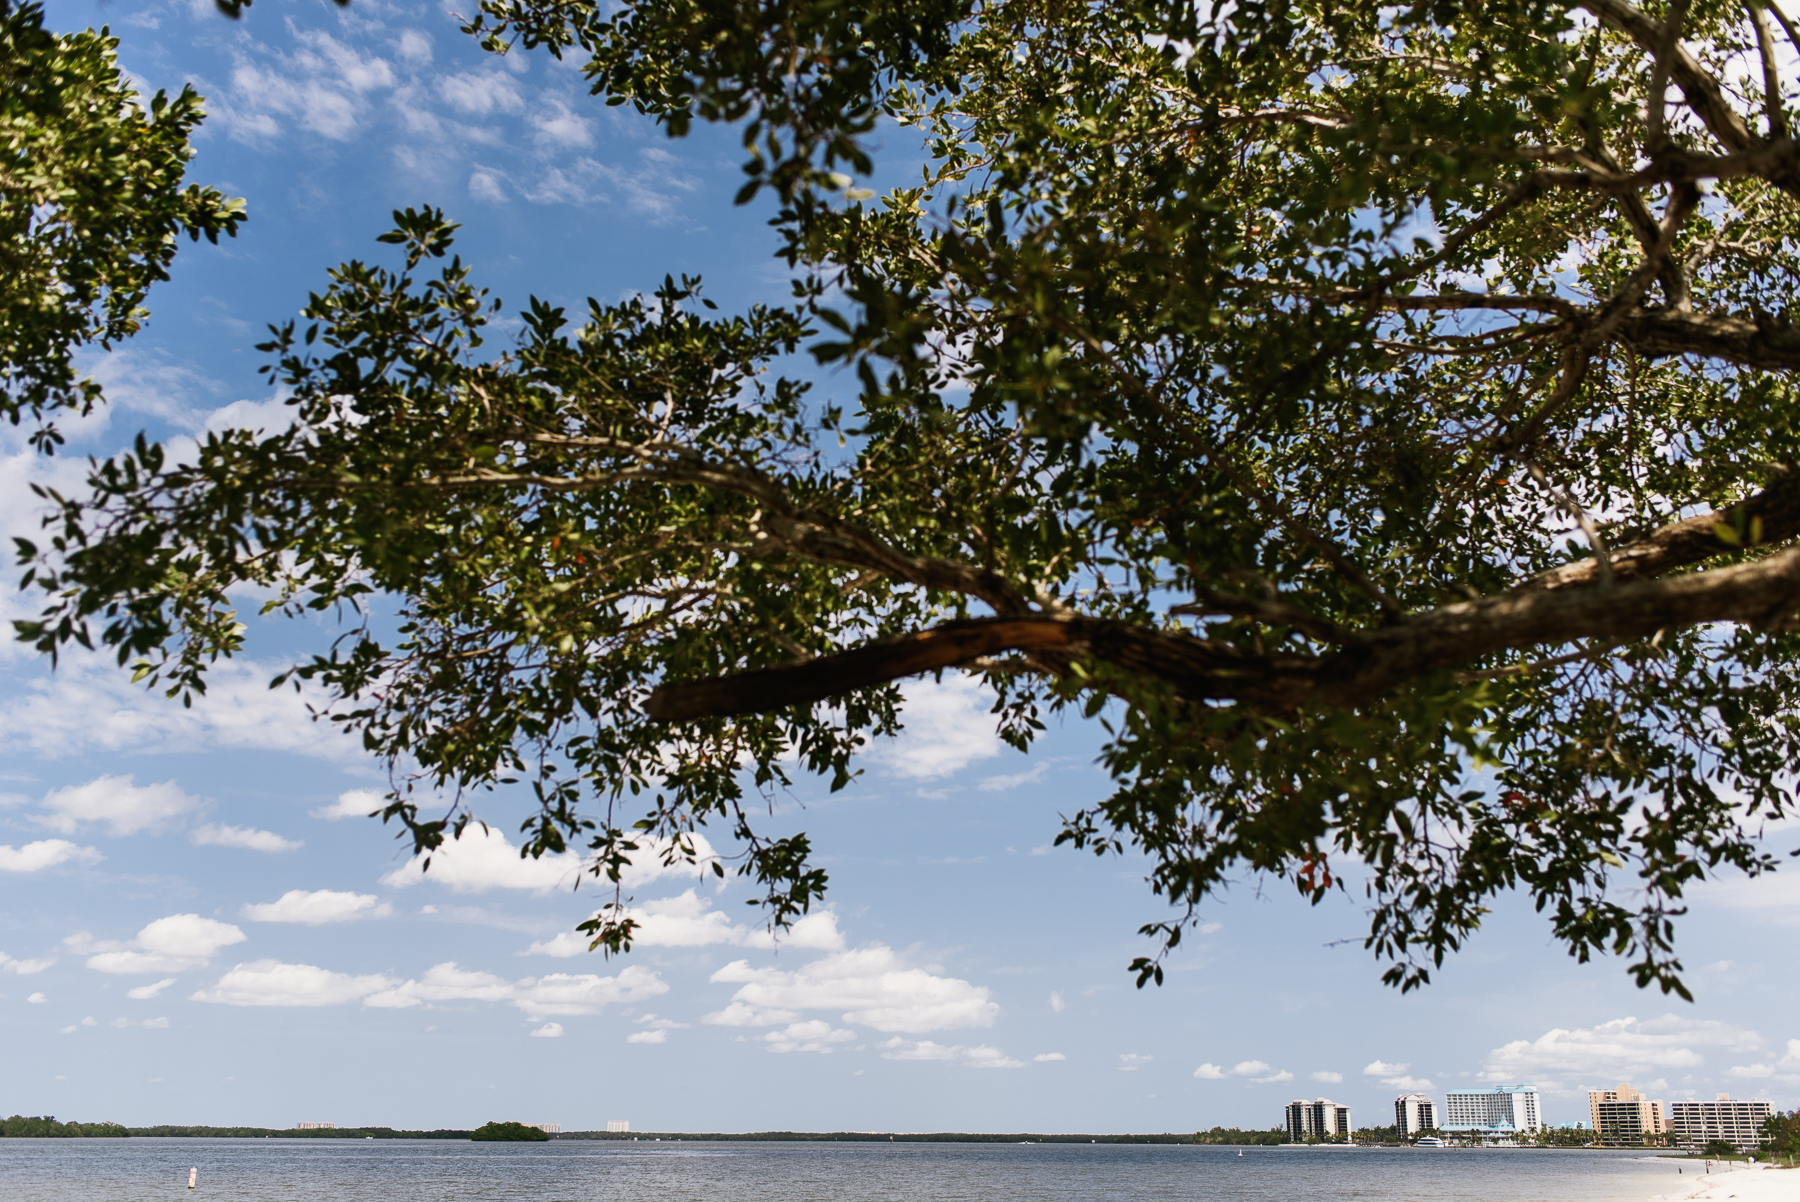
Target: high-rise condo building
{"points": [[1737, 1123], [1414, 1113], [1502, 1111], [1624, 1116], [1317, 1119]]}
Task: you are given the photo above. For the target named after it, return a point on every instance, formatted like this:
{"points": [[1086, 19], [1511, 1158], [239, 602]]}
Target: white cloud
{"points": [[948, 727], [24, 968], [1047, 1057], [1131, 1062], [479, 93], [89, 704], [1394, 1076], [321, 86], [37, 999], [173, 944], [248, 838], [1750, 1071], [486, 185], [690, 921], [415, 47], [1328, 1078], [814, 1035], [318, 907], [444, 983], [1618, 1050], [1773, 897], [1056, 1002], [45, 853], [978, 1056], [563, 994], [356, 803], [1256, 1071], [157, 1024], [870, 986], [647, 1037], [273, 983], [558, 125], [482, 859], [144, 993], [999, 784], [1792, 1059], [1210, 1072], [548, 1031], [126, 808], [741, 1014]]}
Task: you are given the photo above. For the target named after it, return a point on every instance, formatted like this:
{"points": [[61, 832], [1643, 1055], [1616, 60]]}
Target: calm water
{"points": [[100, 1170]]}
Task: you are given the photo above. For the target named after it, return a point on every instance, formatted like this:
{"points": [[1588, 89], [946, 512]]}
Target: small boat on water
{"points": [[1430, 1141]]}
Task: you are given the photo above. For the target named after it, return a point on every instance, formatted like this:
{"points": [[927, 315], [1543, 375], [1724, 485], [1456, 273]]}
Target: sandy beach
{"points": [[1745, 1183]]}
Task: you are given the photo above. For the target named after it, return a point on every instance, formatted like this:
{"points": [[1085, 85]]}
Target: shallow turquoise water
{"points": [[97, 1170]]}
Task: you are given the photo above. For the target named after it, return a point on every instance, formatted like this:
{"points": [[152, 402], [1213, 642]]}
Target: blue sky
{"points": [[198, 926]]}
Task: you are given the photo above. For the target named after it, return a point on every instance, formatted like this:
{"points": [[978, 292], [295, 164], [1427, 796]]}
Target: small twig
{"points": [[1765, 48], [1655, 106], [1602, 557]]}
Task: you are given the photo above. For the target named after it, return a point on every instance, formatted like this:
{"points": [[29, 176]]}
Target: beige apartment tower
{"points": [[1738, 1123], [1623, 1116]]}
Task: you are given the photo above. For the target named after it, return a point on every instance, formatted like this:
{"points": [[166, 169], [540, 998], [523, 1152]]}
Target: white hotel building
{"points": [[1414, 1114], [1739, 1123], [1505, 1110]]}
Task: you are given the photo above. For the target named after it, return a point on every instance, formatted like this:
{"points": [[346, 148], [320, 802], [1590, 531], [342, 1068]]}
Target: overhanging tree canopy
{"points": [[1380, 417]]}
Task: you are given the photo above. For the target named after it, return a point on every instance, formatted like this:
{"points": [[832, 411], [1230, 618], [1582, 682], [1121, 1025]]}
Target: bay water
{"points": [[343, 1170]]}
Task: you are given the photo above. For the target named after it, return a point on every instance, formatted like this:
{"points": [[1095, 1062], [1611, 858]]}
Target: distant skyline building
{"points": [[1320, 1118], [1414, 1113], [617, 1125], [1737, 1123], [547, 1128], [1505, 1110], [1624, 1116], [315, 1126]]}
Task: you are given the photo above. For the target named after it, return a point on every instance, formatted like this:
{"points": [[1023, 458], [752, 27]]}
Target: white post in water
{"points": [[192, 1174]]}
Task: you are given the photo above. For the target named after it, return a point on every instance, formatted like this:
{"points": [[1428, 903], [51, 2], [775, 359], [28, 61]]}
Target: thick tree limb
{"points": [[1765, 592]]}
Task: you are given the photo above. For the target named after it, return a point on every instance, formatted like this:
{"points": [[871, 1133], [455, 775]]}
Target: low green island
{"points": [[507, 1133]]}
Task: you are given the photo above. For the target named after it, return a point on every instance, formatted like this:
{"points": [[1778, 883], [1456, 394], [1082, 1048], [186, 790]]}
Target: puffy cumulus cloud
{"points": [[1047, 1057], [318, 907], [37, 999], [1750, 1072], [248, 838], [1393, 1076], [1131, 1062], [870, 986], [443, 983], [1618, 1050], [155, 1024], [24, 968], [813, 1035], [144, 993], [1328, 1078], [948, 727], [173, 944], [548, 1031], [89, 705], [556, 125], [481, 93], [565, 994], [354, 803], [647, 1037], [45, 853], [323, 87], [482, 859], [1256, 1071], [976, 1056], [742, 1014], [273, 983], [1792, 1059], [690, 921], [126, 808]]}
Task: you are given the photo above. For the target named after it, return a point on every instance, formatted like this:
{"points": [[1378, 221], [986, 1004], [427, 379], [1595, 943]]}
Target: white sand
{"points": [[1745, 1183]]}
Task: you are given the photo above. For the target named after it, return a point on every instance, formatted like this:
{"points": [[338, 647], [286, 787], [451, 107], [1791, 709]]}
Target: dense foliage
{"points": [[20, 1127], [1271, 1137], [507, 1132], [91, 208], [1380, 418]]}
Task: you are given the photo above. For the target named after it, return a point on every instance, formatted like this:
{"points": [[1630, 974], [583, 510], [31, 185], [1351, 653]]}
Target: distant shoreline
{"points": [[870, 1137]]}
